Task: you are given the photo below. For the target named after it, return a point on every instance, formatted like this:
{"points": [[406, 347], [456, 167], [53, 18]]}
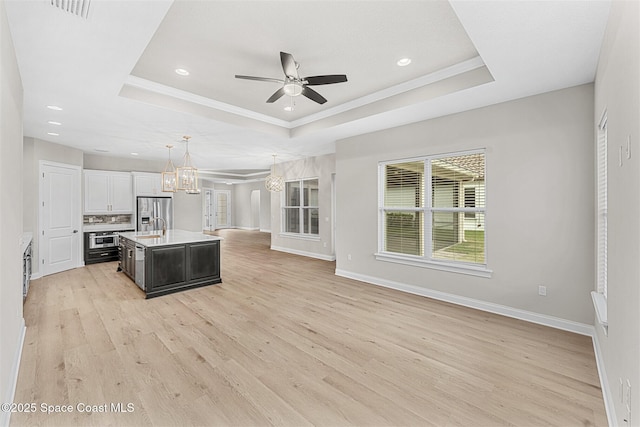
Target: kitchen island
{"points": [[162, 264]]}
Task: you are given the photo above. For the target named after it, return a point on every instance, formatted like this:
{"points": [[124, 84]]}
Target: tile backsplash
{"points": [[106, 219]]}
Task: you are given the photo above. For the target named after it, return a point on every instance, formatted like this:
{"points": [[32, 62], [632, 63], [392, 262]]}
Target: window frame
{"points": [[602, 176], [600, 295], [426, 260], [301, 207]]}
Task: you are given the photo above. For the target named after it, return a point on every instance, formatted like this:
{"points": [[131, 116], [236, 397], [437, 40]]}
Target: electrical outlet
{"points": [[324, 244], [349, 257], [542, 290]]}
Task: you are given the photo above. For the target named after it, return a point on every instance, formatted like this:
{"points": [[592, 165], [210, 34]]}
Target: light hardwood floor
{"points": [[284, 341]]}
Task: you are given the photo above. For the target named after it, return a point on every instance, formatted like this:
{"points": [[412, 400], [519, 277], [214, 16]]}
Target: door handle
{"points": [[75, 231]]}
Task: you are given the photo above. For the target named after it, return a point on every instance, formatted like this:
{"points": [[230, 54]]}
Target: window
{"points": [[432, 210], [599, 296], [602, 206], [300, 211]]}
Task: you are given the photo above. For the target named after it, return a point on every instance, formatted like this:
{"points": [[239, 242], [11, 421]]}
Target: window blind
{"points": [[458, 204], [403, 203], [300, 209], [602, 207], [434, 208]]}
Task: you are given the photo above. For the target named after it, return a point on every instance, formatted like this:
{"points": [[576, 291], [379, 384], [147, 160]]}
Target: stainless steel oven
{"points": [[105, 239]]}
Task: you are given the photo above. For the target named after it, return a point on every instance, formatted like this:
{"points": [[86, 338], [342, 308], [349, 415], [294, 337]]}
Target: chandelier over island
{"points": [[187, 174], [169, 175]]}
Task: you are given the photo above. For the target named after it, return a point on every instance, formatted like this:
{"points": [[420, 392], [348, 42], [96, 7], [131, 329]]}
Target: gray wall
{"points": [[241, 200], [11, 188], [107, 163], [322, 167], [36, 150], [187, 208], [617, 89], [540, 201]]}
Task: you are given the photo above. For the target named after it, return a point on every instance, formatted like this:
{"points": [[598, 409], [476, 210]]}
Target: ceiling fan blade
{"points": [[289, 65], [313, 95], [260, 79], [276, 95], [325, 80]]}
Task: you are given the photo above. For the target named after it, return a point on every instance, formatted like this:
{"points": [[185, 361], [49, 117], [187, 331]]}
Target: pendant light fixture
{"points": [[187, 174], [169, 175], [274, 182]]}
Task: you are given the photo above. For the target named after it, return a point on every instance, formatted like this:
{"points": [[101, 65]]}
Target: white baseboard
{"points": [[541, 319], [10, 393], [608, 398], [262, 230], [304, 253]]}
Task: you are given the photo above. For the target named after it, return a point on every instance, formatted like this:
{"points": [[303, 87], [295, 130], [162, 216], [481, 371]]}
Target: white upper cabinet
{"points": [[107, 192], [148, 184]]}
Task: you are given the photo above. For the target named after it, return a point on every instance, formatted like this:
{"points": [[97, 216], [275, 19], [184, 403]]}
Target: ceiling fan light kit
{"points": [[292, 88], [293, 84]]}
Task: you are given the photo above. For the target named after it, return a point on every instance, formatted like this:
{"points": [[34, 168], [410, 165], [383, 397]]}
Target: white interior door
{"points": [[60, 213], [222, 206]]}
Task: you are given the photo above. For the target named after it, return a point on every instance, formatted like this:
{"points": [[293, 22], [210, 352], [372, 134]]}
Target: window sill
{"points": [[470, 270], [600, 304], [301, 236]]}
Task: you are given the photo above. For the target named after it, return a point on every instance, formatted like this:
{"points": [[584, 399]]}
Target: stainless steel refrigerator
{"points": [[150, 208]]}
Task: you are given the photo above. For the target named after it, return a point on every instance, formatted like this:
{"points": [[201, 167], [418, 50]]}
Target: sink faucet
{"points": [[164, 224]]}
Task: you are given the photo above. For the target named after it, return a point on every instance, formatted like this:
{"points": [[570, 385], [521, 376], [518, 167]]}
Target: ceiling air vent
{"points": [[76, 7]]}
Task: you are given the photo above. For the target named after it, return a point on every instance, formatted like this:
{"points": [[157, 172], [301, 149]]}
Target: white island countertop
{"points": [[173, 237]]}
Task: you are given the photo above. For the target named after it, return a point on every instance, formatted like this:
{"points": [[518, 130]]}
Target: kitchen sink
{"points": [[149, 236]]}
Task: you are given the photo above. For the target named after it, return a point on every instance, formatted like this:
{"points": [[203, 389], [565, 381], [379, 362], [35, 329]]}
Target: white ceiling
{"points": [[113, 73]]}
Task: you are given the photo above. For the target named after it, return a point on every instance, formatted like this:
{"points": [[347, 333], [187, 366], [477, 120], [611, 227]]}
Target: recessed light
{"points": [[54, 123], [404, 62], [102, 150], [134, 154], [182, 72], [54, 107], [288, 108], [53, 134]]}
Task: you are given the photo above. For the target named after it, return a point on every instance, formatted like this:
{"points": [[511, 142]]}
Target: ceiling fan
{"points": [[294, 85]]}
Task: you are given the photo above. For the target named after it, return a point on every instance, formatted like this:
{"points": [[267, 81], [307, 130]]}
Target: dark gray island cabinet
{"points": [[177, 261]]}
